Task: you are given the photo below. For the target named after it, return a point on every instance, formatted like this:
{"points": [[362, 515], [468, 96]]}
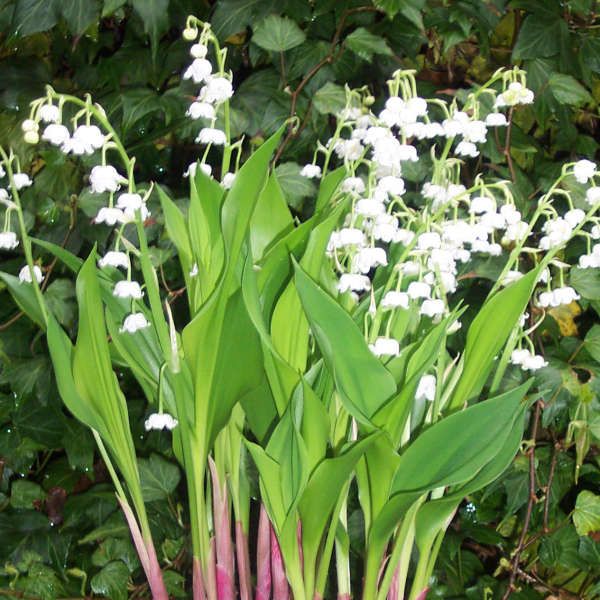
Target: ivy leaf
{"points": [[154, 14], [295, 187], [586, 516], [278, 34], [159, 477], [567, 90], [540, 37], [79, 14], [111, 581], [592, 342], [233, 16], [33, 16], [24, 493], [409, 9], [329, 99], [365, 44], [586, 282], [138, 103]]}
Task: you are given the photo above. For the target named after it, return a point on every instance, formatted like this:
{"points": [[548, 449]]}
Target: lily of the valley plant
{"points": [[324, 351]]}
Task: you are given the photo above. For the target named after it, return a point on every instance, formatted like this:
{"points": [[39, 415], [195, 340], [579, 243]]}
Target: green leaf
{"points": [[158, 477], [69, 259], [586, 516], [155, 16], [278, 34], [567, 90], [409, 9], [138, 103], [32, 16], [233, 16], [488, 333], [343, 347], [79, 14], [271, 218], [586, 282], [592, 342], [294, 186], [330, 99], [540, 37], [111, 581], [25, 298], [23, 494], [365, 44], [454, 449]]}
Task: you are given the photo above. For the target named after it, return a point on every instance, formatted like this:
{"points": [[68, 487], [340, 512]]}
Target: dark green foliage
{"points": [[61, 533]]}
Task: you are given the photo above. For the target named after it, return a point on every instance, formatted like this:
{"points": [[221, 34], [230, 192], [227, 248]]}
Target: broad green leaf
{"points": [[366, 44], [32, 16], [487, 335], [241, 200], [25, 298], [586, 516], [271, 493], [567, 90], [329, 99], [435, 515], [454, 449], [79, 14], [329, 185], [68, 258], [278, 34], [343, 347], [158, 477], [323, 490], [271, 218], [61, 351]]}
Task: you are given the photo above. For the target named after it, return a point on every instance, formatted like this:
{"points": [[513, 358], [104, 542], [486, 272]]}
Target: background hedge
{"points": [[61, 534]]}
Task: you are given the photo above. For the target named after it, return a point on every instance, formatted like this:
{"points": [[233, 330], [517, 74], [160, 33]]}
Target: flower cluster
{"points": [[215, 91], [426, 237]]}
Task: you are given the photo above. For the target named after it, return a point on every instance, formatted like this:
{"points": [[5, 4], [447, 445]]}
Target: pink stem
{"points": [[225, 562], [263, 557], [197, 581], [243, 562], [344, 597], [211, 576], [423, 594], [147, 555], [393, 591], [281, 590]]}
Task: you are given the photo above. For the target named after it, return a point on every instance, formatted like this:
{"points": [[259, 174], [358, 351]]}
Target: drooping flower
{"points": [[426, 388], [134, 322], [394, 299], [216, 90], [201, 110], [128, 289], [25, 274], [114, 259], [105, 178], [160, 421], [56, 134], [584, 170], [311, 171], [8, 240], [22, 180], [385, 347], [49, 113], [211, 135], [109, 215], [200, 70], [353, 282]]}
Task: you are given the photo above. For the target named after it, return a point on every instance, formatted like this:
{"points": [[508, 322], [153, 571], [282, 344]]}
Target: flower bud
{"points": [[31, 137], [29, 125], [190, 34]]}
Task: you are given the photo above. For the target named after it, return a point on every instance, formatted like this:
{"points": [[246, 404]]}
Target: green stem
{"points": [[24, 236]]}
